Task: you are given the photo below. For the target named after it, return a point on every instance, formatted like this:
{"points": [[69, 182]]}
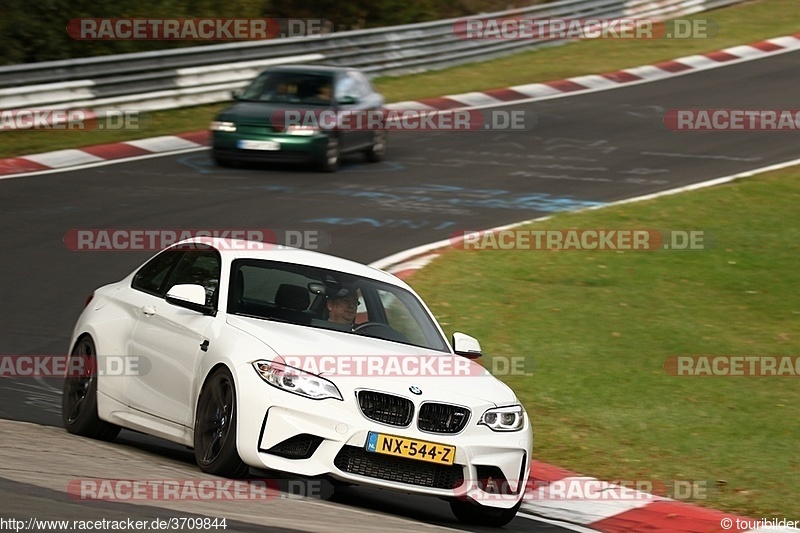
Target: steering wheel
{"points": [[364, 325]]}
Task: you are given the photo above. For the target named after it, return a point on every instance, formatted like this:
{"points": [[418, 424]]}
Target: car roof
{"points": [[231, 249]]}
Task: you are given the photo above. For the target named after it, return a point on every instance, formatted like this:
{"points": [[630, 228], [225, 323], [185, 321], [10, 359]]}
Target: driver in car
{"points": [[343, 305]]}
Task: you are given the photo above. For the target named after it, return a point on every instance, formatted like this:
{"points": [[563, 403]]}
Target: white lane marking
{"points": [[649, 73], [593, 81], [700, 62], [406, 255], [559, 523], [167, 143], [414, 264], [63, 158], [536, 90], [744, 51], [473, 98], [787, 41], [102, 163], [410, 104]]}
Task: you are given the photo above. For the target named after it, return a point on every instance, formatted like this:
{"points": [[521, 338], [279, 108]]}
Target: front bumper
{"points": [[292, 148], [328, 437]]}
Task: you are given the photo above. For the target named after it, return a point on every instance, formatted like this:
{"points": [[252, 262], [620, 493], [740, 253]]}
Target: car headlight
{"points": [[297, 381], [218, 125], [510, 418], [302, 130]]}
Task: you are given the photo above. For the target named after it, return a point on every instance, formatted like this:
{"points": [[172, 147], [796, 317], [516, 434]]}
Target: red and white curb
{"points": [[620, 509], [611, 80], [49, 162], [614, 508], [103, 154]]}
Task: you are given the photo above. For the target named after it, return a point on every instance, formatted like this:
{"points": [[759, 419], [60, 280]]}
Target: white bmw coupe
{"points": [[296, 361]]}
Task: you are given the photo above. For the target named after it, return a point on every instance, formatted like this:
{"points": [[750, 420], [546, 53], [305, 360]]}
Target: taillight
{"points": [[89, 299]]}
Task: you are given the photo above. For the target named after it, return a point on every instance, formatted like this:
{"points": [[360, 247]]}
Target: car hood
{"points": [[312, 349], [260, 111]]}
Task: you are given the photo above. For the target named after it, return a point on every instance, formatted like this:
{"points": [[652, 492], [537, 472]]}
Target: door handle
{"points": [[148, 310]]}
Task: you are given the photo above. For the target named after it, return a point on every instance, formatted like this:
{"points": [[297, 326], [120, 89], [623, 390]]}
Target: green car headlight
{"points": [[223, 126], [306, 131]]}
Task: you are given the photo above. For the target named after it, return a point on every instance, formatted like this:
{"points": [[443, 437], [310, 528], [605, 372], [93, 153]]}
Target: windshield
{"points": [[291, 87], [328, 299]]}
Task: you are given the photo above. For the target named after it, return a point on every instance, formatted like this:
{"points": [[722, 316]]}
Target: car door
{"points": [[148, 283], [171, 340]]}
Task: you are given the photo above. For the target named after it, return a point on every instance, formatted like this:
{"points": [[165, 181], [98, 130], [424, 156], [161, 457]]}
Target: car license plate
{"points": [[259, 145], [411, 448]]}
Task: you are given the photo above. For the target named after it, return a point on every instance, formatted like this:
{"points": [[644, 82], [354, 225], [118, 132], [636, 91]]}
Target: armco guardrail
{"points": [[207, 74]]}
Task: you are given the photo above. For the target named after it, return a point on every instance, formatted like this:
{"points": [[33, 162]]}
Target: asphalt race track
{"points": [[583, 150]]}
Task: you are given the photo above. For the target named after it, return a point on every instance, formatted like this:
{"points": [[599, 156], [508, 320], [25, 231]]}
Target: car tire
{"points": [[215, 428], [330, 161], [475, 514], [377, 151], [79, 400]]}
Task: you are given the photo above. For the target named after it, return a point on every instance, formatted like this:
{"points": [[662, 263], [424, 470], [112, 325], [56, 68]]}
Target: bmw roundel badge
{"points": [[415, 390]]}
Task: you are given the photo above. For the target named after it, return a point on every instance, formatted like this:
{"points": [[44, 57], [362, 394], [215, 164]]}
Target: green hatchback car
{"points": [[293, 114]]}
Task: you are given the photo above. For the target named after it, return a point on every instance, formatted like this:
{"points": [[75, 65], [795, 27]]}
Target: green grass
{"points": [[740, 24], [597, 326]]}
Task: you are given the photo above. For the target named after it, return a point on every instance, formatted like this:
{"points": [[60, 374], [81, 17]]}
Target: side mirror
{"points": [[190, 296], [466, 346], [236, 94]]}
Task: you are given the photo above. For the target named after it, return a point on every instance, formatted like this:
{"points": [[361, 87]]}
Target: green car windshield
{"points": [[291, 87]]}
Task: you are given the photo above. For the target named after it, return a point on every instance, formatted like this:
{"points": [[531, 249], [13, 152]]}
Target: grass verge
{"points": [[739, 24], [599, 326]]}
